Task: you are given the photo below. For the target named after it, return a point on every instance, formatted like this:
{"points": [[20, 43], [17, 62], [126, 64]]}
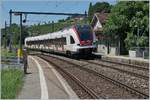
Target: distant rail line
{"points": [[121, 70], [126, 65]]}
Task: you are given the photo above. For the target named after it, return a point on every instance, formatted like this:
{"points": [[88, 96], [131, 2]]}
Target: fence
{"points": [[139, 52], [106, 46]]}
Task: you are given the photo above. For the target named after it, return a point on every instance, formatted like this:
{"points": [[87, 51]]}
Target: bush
{"points": [[130, 41]]}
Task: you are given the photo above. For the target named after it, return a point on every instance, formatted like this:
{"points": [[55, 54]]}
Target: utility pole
{"points": [[5, 35], [138, 35], [85, 17], [20, 41], [10, 43], [52, 26]]}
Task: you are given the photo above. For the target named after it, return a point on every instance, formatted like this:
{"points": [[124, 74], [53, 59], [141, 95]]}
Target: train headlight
{"points": [[78, 44]]}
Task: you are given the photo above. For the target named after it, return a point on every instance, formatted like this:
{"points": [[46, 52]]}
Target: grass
{"points": [[6, 53], [11, 83]]}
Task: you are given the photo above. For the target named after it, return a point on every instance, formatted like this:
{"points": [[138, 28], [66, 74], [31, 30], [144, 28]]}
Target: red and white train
{"points": [[78, 39]]}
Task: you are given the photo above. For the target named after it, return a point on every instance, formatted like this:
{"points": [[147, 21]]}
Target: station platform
{"points": [[44, 82], [125, 59]]}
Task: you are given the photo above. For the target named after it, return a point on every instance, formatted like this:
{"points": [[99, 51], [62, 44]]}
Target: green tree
{"points": [[139, 26], [90, 11], [98, 7], [16, 33], [128, 21], [15, 29]]}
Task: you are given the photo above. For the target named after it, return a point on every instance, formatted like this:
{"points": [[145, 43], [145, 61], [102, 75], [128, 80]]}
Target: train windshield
{"points": [[85, 33]]}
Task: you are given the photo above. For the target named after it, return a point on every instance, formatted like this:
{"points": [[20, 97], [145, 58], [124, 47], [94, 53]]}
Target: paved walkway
{"points": [[31, 88], [130, 58], [123, 57], [44, 82]]}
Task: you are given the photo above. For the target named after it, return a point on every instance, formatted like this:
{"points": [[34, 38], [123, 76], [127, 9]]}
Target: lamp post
{"points": [[5, 35], [10, 22], [52, 26]]}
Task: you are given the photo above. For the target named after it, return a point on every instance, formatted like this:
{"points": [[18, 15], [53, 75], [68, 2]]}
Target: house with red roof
{"points": [[97, 23]]}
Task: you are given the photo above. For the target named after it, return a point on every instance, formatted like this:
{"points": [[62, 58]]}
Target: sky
{"points": [[57, 6]]}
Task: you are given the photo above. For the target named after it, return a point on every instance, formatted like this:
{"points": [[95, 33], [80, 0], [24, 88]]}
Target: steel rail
{"points": [[121, 70], [75, 79], [125, 64], [132, 90]]}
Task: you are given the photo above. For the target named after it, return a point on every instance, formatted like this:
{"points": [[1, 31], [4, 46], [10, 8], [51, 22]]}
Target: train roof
{"points": [[57, 34], [47, 36]]}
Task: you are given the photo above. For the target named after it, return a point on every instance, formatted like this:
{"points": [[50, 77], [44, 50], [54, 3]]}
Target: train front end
{"points": [[86, 39]]}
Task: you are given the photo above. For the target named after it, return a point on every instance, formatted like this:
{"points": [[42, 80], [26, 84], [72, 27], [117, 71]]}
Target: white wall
{"points": [[102, 48]]}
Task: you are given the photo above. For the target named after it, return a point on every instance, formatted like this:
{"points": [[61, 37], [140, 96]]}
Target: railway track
{"points": [[126, 87], [126, 65], [121, 70], [89, 91]]}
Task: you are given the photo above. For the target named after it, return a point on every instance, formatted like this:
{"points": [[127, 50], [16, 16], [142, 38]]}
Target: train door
{"points": [[66, 47], [70, 43], [68, 39]]}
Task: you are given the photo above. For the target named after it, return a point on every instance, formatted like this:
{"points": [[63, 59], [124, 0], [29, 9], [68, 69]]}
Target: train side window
{"points": [[63, 40], [71, 40]]}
